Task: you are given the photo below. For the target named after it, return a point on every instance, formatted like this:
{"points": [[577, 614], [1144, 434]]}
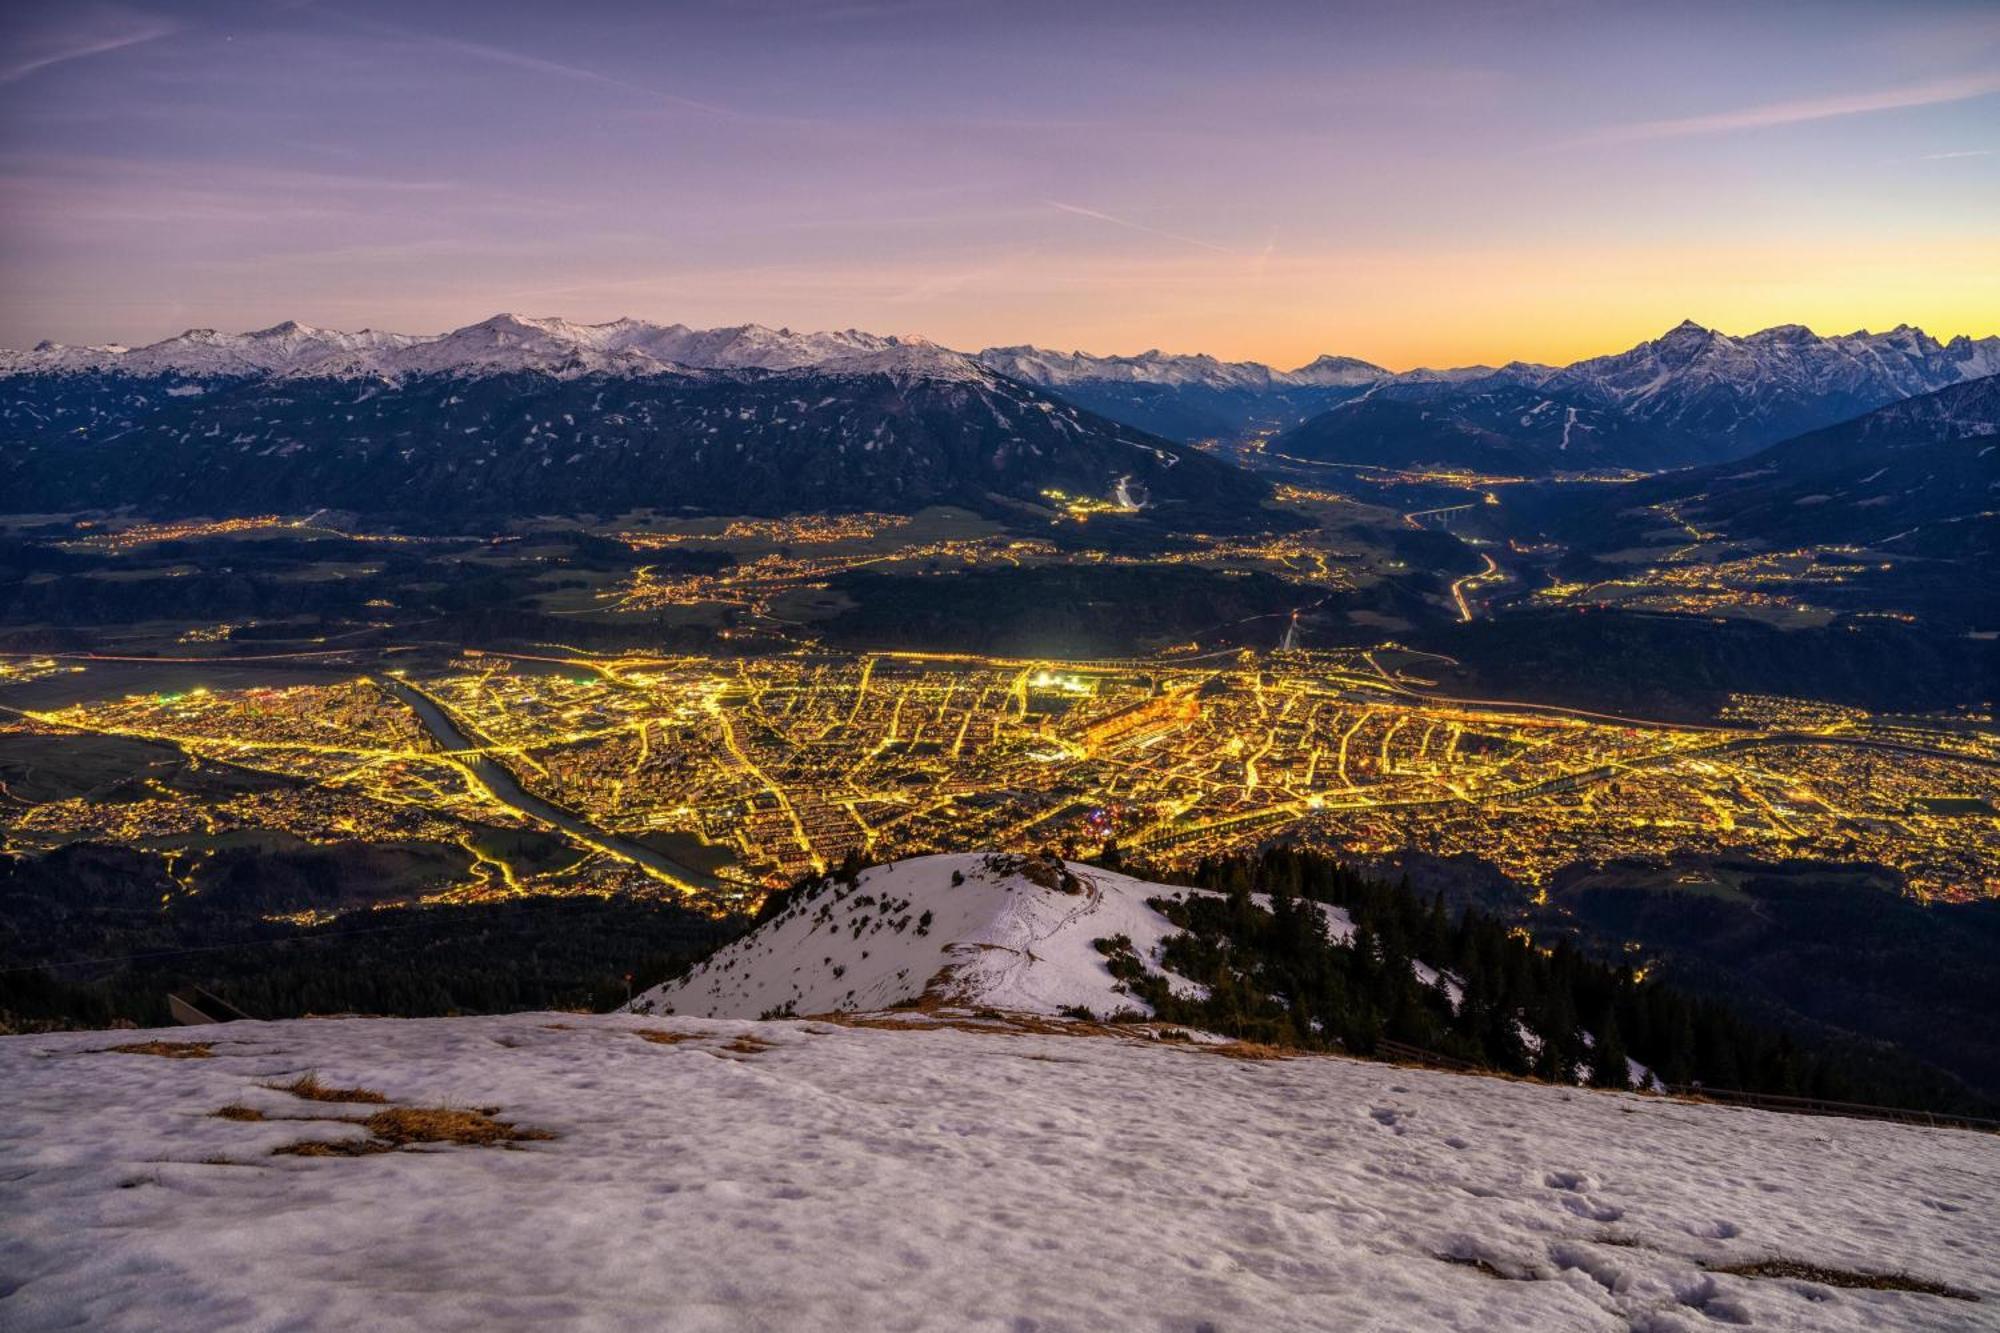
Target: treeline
{"points": [[1276, 974], [41, 584], [83, 953]]}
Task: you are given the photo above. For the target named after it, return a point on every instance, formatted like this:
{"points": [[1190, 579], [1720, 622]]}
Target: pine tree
{"points": [[1607, 1058]]}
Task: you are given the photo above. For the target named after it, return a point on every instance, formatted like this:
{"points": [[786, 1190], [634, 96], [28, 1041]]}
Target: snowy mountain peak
{"points": [[984, 929], [1325, 370]]}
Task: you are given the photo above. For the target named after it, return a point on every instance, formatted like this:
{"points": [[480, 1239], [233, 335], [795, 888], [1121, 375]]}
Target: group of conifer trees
{"points": [[1273, 972]]}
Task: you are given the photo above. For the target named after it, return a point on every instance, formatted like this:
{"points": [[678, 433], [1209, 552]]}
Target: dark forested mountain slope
{"points": [[1919, 477], [525, 442], [1490, 426]]}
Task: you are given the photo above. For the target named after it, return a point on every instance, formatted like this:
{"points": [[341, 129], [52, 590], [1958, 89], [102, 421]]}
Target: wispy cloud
{"points": [[1774, 114], [1968, 152], [487, 53], [501, 56], [1137, 226], [88, 31]]}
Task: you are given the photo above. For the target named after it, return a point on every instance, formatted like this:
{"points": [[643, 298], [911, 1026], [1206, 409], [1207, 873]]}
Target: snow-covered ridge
{"points": [[969, 930], [504, 344], [1675, 378], [1036, 365], [1002, 932], [731, 1175], [1699, 379]]}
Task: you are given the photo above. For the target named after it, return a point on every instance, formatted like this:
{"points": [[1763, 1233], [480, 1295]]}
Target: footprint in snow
{"points": [[1716, 1230], [1591, 1210], [1388, 1118], [1576, 1181]]}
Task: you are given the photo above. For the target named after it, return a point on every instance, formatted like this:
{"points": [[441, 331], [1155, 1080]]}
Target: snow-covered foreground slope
{"points": [[979, 929], [789, 1175]]}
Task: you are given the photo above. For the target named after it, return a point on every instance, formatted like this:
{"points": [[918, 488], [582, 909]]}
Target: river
{"points": [[497, 779]]}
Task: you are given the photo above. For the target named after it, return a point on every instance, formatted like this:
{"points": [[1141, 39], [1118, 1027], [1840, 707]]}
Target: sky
{"points": [[1411, 182]]}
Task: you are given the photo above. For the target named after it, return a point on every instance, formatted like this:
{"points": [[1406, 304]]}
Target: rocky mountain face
{"points": [[1735, 395], [1689, 397]]}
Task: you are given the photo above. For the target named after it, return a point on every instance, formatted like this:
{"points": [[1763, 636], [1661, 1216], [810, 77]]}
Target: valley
{"points": [[778, 766], [300, 634]]}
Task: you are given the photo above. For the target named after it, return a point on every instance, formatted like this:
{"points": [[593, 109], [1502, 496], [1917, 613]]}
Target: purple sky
{"points": [[1407, 182]]}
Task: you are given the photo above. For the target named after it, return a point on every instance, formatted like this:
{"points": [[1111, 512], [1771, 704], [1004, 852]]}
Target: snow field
{"points": [[940, 1179]]}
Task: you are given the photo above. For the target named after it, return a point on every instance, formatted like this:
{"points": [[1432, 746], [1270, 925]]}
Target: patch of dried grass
{"points": [[438, 1124], [402, 1126], [660, 1037], [238, 1111], [308, 1087], [747, 1045], [333, 1148], [1799, 1270], [1248, 1050], [168, 1050]]}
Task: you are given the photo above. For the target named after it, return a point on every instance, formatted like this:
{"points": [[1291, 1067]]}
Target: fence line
{"points": [[1775, 1101]]}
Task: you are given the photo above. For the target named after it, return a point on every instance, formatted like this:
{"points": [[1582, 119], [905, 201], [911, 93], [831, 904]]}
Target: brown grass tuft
{"points": [[436, 1124], [747, 1045], [662, 1038], [237, 1111], [168, 1050], [1248, 1050], [333, 1148], [311, 1089], [401, 1126], [1839, 1277]]}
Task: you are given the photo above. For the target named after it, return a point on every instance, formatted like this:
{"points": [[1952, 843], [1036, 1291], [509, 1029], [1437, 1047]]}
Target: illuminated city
{"points": [[756, 771]]}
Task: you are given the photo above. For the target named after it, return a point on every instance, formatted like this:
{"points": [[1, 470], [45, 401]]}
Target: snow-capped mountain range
{"points": [[516, 416], [1692, 395], [503, 344], [1763, 387], [1038, 365]]}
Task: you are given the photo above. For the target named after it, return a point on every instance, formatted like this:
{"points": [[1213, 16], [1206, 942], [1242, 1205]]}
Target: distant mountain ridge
{"points": [[1054, 369], [504, 344], [537, 427], [1743, 393], [1920, 477], [1689, 397]]}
